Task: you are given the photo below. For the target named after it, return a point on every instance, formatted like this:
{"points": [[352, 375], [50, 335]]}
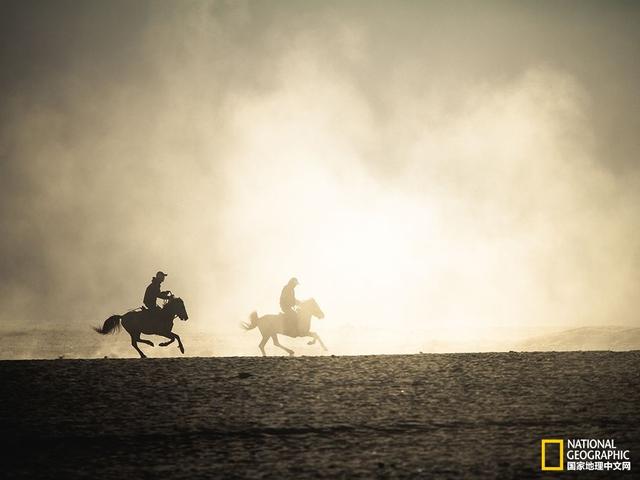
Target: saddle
{"points": [[291, 324], [146, 312]]}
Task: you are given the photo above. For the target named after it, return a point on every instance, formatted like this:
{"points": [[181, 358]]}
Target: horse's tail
{"points": [[111, 325], [254, 322]]}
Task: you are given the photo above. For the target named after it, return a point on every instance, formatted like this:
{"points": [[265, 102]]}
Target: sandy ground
{"points": [[419, 416]]}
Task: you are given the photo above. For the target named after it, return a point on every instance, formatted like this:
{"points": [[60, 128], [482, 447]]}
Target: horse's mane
{"points": [[309, 300], [170, 301]]}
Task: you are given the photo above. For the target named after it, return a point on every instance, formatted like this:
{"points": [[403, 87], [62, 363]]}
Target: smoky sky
{"points": [[137, 136]]}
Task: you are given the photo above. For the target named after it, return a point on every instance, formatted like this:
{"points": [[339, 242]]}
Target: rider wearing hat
{"points": [[288, 302], [152, 293]]}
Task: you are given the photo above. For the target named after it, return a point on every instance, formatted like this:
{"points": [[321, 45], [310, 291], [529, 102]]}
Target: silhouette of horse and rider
{"points": [[293, 321], [150, 319]]}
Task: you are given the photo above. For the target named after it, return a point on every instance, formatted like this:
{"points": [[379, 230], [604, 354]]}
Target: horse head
{"points": [[311, 306], [177, 308]]}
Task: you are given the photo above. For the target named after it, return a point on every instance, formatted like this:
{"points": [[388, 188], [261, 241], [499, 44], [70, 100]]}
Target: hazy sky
{"points": [[430, 171]]}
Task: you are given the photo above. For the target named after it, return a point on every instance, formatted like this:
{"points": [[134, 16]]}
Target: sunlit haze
{"points": [[439, 177]]}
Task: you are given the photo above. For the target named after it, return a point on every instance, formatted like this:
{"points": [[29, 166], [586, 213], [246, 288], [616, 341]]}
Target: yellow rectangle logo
{"points": [[560, 465]]}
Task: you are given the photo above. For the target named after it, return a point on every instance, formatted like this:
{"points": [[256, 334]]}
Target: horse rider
{"points": [[153, 292], [287, 303]]}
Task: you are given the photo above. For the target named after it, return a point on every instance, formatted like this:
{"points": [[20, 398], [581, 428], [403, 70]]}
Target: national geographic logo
{"points": [[586, 454], [555, 465]]}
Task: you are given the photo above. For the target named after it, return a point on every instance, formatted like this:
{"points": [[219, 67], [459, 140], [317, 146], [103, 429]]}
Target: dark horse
{"points": [[160, 323]]}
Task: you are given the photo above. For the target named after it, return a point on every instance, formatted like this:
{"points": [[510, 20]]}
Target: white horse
{"points": [[271, 325]]}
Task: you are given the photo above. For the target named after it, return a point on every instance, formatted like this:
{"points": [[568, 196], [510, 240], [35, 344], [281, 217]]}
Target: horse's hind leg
{"points": [[134, 342], [276, 342], [317, 337], [263, 342]]}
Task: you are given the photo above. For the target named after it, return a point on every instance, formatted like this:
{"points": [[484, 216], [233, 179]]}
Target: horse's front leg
{"points": [[170, 337], [148, 342], [180, 346], [317, 337]]}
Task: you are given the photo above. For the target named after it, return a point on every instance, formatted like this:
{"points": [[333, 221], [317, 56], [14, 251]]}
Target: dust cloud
{"points": [[432, 185]]}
